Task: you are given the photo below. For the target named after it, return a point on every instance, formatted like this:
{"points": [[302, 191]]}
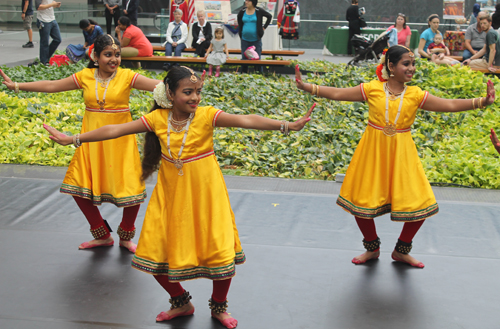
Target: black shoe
{"points": [[166, 67], [28, 45], [35, 63]]}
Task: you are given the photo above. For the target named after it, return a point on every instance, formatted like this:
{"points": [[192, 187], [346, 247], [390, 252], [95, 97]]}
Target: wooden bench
{"points": [[201, 60], [272, 53]]}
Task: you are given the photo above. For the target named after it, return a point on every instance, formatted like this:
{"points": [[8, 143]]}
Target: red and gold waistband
{"points": [[191, 159], [399, 131]]}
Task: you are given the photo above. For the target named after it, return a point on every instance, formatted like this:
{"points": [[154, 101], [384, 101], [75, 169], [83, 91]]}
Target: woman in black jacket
{"points": [[251, 29], [201, 41]]}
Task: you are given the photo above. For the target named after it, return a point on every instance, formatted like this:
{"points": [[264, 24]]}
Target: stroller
{"points": [[367, 49]]}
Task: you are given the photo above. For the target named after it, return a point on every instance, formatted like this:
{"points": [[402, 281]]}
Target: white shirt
{"points": [[46, 15], [184, 31]]}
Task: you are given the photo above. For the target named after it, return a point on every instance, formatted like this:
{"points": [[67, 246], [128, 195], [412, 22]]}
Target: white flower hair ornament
{"points": [[160, 96]]}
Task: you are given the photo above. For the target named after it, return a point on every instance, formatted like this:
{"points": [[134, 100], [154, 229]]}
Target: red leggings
{"points": [[174, 289], [367, 227], [95, 220]]}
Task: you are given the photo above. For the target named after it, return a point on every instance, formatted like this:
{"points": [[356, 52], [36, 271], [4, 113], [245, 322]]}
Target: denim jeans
{"points": [[258, 48], [467, 54], [178, 50], [49, 29]]}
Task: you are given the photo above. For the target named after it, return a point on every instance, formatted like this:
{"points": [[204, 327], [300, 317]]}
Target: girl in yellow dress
{"points": [[189, 231], [385, 174], [105, 171]]}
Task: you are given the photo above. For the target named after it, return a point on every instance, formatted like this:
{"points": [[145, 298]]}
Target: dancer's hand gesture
{"points": [[58, 136], [7, 81], [495, 141], [490, 90], [298, 78], [299, 124]]}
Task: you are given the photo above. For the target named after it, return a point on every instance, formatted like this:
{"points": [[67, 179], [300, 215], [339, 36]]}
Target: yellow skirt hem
{"points": [[198, 272], [396, 216], [97, 200]]}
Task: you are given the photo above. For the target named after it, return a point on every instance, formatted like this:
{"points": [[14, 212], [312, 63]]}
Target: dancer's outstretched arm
{"points": [[99, 134], [46, 86], [437, 104], [352, 94], [258, 122]]}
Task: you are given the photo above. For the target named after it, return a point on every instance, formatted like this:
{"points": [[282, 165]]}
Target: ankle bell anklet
{"points": [[101, 230], [403, 247], [217, 307], [371, 245], [125, 235], [180, 301]]}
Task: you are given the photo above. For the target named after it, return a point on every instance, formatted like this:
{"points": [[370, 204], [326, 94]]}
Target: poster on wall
{"points": [[268, 5], [453, 9]]}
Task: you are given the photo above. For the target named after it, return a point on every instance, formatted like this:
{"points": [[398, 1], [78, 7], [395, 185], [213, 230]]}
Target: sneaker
{"points": [[29, 44]]}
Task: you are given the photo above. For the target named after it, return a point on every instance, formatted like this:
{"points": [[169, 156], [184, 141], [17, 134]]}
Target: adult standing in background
{"points": [[112, 11], [352, 16], [48, 28], [475, 11], [495, 18], [181, 5], [202, 34], [251, 30], [130, 10], [475, 38], [404, 32], [27, 17]]}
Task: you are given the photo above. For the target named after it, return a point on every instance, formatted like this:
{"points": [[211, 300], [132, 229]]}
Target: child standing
{"points": [[215, 53], [189, 231], [439, 48]]}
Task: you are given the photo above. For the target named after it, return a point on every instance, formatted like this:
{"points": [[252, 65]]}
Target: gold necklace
{"points": [[102, 81], [392, 95], [389, 128], [178, 163]]}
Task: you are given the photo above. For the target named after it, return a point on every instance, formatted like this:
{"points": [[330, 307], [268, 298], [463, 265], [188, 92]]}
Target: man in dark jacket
{"points": [[352, 16], [130, 8]]}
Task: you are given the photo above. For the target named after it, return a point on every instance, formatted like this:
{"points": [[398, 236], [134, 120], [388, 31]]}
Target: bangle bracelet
{"points": [[313, 90], [16, 87], [286, 128], [481, 102], [76, 141], [282, 127], [473, 105], [317, 92]]}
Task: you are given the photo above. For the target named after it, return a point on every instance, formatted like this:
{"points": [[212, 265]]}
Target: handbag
{"points": [[362, 22], [250, 53]]}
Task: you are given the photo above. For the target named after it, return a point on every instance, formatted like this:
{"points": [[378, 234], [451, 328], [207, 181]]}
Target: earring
{"points": [[392, 74], [169, 105], [96, 63]]}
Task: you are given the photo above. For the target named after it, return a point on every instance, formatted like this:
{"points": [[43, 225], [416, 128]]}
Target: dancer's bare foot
{"points": [[128, 244], [187, 309], [97, 243], [406, 258], [366, 256], [227, 320]]}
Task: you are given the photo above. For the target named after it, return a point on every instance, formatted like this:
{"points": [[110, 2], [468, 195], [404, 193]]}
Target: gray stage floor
{"points": [[298, 272]]}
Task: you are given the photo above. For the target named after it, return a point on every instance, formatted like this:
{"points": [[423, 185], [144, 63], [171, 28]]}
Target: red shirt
{"points": [[139, 41], [402, 35]]}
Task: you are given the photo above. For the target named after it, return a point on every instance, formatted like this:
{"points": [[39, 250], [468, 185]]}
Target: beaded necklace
{"points": [[390, 129], [104, 84], [178, 163]]}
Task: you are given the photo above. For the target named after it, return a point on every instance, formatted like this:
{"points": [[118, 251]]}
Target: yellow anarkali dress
{"points": [[189, 231], [385, 174], [107, 171]]}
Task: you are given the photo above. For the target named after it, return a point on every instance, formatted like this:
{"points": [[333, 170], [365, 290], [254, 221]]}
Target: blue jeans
{"points": [[467, 54], [48, 29], [178, 50], [258, 48]]}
